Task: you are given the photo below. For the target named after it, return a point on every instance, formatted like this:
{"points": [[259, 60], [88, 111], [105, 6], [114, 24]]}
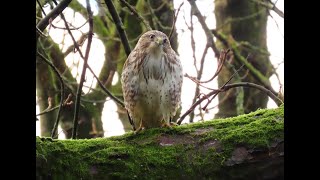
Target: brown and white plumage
{"points": [[151, 81]]}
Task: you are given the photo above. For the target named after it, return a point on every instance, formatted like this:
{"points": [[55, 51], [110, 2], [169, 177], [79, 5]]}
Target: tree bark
{"points": [[245, 147], [243, 21]]}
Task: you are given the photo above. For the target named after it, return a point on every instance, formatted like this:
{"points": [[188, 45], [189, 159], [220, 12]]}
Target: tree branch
{"points": [[55, 70], [84, 68], [81, 40], [174, 20], [132, 9], [52, 15], [277, 100], [271, 6], [119, 25], [210, 42], [81, 55]]}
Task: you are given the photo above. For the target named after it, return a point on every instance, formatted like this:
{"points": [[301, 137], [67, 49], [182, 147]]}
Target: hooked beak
{"points": [[159, 41]]}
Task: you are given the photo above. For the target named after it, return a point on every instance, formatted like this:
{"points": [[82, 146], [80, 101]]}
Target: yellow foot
{"points": [[173, 124], [166, 125], [138, 130]]}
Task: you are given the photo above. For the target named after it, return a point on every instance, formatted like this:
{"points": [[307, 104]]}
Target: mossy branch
{"points": [[244, 147]]}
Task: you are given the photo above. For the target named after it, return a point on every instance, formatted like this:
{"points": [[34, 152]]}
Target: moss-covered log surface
{"points": [[244, 147]]}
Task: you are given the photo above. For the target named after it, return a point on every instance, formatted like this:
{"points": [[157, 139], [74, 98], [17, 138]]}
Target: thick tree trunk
{"points": [[244, 147], [243, 21]]}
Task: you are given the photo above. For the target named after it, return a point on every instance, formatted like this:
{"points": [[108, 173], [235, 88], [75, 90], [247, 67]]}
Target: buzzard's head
{"points": [[154, 41]]}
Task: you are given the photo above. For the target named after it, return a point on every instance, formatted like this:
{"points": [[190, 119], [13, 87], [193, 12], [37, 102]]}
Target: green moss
{"points": [[185, 150]]}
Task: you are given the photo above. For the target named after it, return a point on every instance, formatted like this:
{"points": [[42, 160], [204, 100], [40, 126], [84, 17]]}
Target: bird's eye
{"points": [[152, 36], [165, 40]]}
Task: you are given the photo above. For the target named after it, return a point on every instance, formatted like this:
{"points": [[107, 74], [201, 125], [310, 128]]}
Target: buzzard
{"points": [[151, 82]]}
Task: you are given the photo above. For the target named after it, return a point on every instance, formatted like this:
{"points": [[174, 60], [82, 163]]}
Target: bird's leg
{"points": [[131, 121], [172, 123], [166, 124], [140, 128]]}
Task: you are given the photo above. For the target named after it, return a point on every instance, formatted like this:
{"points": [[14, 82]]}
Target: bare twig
{"points": [[175, 16], [80, 41], [52, 15], [219, 90], [271, 6], [226, 87], [105, 89], [277, 100], [75, 28], [210, 42], [276, 24], [67, 102], [256, 73], [110, 77], [132, 9], [62, 91], [193, 43], [119, 25], [47, 111], [199, 74], [213, 93], [82, 56], [41, 33], [78, 97], [222, 59], [41, 7]]}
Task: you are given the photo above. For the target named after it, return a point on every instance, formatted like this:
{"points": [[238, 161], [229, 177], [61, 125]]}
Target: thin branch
{"points": [[47, 111], [62, 92], [41, 33], [82, 56], [193, 43], [75, 28], [52, 15], [155, 19], [119, 25], [210, 42], [222, 59], [80, 41], [213, 93], [235, 74], [175, 19], [255, 72], [270, 6], [199, 74], [41, 7], [276, 24], [67, 102], [226, 87], [105, 89], [78, 97], [133, 10], [277, 100]]}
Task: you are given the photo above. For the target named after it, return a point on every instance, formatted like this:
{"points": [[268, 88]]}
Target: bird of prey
{"points": [[151, 82]]}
